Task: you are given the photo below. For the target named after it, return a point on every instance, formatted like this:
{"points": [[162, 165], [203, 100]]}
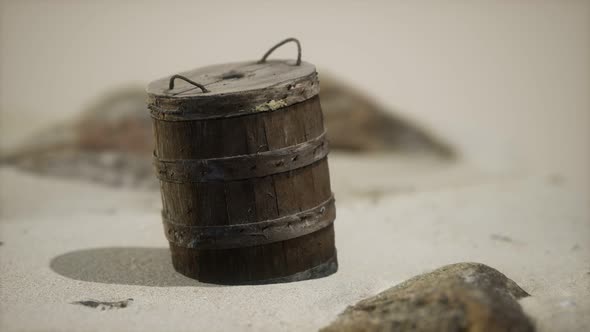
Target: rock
{"points": [[458, 297], [112, 142], [356, 123], [118, 122]]}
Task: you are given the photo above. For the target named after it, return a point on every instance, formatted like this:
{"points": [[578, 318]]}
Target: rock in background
{"points": [[111, 142], [356, 123], [459, 297]]}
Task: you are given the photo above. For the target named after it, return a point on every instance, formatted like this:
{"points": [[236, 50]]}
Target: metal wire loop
{"points": [[180, 77], [263, 60]]}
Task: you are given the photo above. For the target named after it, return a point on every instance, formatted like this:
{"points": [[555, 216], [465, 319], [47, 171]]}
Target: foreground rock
{"points": [[458, 297]]}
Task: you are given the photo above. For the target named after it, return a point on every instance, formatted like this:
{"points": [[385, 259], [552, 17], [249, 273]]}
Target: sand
{"points": [[66, 241]]}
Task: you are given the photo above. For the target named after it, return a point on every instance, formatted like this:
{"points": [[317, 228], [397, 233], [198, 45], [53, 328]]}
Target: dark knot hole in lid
{"points": [[232, 74]]}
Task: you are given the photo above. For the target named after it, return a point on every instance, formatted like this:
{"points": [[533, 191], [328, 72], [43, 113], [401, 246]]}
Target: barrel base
{"points": [[323, 270], [307, 257]]}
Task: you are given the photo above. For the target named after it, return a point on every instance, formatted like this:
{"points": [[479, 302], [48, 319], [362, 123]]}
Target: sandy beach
{"points": [[506, 84], [95, 243]]}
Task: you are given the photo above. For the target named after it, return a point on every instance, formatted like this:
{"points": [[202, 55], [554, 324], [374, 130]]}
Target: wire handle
{"points": [[298, 63], [263, 60], [180, 77]]}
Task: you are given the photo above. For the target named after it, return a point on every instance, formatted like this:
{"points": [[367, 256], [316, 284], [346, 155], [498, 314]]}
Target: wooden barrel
{"points": [[241, 155]]}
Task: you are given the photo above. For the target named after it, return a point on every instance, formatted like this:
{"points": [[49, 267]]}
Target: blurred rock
{"points": [[117, 121], [357, 123], [111, 142], [120, 122], [458, 297]]}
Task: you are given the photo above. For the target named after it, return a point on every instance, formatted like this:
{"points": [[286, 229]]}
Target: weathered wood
{"points": [[246, 195], [241, 167], [301, 258], [249, 87], [250, 234]]}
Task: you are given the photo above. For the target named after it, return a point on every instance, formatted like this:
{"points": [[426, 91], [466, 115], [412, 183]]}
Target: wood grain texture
{"points": [[200, 210], [240, 167], [236, 89], [250, 234]]}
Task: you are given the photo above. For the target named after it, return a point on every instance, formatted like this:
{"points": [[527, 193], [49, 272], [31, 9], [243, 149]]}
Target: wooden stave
{"points": [[296, 182]]}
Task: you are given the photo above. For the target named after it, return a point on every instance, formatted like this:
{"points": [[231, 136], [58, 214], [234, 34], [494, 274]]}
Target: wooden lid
{"points": [[232, 89]]}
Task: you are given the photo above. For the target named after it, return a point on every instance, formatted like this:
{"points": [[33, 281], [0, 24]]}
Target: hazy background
{"points": [[507, 82]]}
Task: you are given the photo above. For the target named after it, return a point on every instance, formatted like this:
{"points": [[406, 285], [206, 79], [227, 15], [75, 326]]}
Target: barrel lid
{"points": [[232, 89]]}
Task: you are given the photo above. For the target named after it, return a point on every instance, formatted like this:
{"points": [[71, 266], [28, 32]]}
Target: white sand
{"points": [[454, 216]]}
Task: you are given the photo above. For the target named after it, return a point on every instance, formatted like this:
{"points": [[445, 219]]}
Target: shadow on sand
{"points": [[123, 266]]}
